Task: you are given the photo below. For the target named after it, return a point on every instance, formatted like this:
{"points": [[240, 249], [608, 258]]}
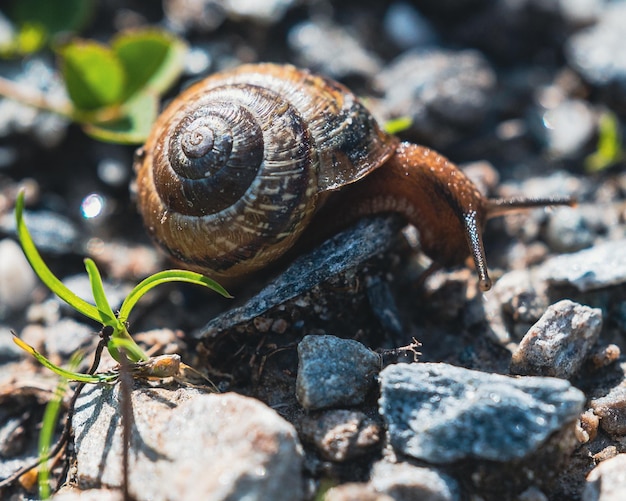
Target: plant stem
{"points": [[32, 97]]}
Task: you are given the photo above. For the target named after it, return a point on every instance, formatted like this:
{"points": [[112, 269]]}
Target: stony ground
{"points": [[519, 393]]}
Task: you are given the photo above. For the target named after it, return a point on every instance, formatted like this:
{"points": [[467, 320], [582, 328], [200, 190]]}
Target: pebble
{"points": [[331, 49], [340, 434], [405, 482], [346, 251], [17, 279], [611, 409], [440, 413], [568, 231], [407, 27], [221, 446], [597, 52], [426, 83], [560, 341], [334, 372], [607, 481], [355, 492], [603, 265], [567, 128], [51, 232]]}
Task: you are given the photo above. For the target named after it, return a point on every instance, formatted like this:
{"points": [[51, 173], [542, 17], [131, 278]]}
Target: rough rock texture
{"points": [[440, 413], [405, 482], [559, 342], [334, 372], [607, 481], [222, 446], [601, 266]]}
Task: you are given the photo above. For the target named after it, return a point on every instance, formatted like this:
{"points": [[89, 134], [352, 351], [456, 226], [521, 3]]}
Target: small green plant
{"points": [[114, 90], [115, 324], [609, 150], [397, 125]]}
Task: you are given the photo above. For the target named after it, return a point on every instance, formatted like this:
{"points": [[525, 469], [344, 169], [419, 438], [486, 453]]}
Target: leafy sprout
{"points": [[113, 89], [101, 312]]}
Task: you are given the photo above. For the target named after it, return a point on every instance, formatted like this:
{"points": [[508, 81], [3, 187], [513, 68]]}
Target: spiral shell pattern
{"points": [[234, 167]]}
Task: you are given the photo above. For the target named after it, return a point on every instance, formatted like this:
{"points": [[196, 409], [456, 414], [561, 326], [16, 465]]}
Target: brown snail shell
{"points": [[239, 163]]}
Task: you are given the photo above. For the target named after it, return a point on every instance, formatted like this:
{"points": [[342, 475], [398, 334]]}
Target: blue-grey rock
{"points": [[568, 230], [221, 446], [334, 372], [426, 84], [597, 52], [405, 482], [558, 344], [600, 266], [346, 251], [441, 413]]}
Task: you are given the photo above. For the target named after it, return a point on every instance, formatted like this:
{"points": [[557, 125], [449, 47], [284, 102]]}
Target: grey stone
{"points": [[17, 279], [611, 409], [597, 52], [405, 482], [344, 252], [558, 344], [221, 446], [425, 83], [355, 492], [334, 372], [331, 49], [567, 128], [568, 231], [340, 434], [601, 266], [607, 481], [440, 413]]}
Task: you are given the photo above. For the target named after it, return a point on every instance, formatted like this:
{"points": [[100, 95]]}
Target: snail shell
{"points": [[237, 165]]}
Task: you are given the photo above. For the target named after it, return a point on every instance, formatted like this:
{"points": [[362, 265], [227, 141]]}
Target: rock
{"points": [[426, 83], [73, 494], [596, 52], [346, 251], [334, 372], [340, 434], [355, 492], [407, 27], [607, 481], [568, 231], [405, 482], [221, 446], [331, 49], [17, 279], [558, 344], [611, 409], [440, 413], [600, 266]]}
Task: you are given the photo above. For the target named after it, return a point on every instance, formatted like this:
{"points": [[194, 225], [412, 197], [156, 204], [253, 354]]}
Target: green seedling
{"points": [[114, 90], [101, 312], [397, 125], [609, 150]]}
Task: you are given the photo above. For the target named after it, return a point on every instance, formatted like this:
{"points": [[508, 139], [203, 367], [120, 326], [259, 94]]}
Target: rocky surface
{"points": [[519, 94]]}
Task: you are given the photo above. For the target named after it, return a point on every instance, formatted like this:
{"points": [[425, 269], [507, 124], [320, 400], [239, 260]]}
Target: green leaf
{"points": [[54, 16], [152, 59], [609, 150], [137, 118], [42, 270], [93, 75], [133, 352], [397, 125], [165, 277], [107, 317], [72, 376]]}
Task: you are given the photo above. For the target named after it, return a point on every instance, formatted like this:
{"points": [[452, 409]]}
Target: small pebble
{"points": [[405, 482], [440, 413], [607, 481], [601, 266], [355, 492], [611, 409], [17, 279], [568, 231], [340, 434], [587, 426], [334, 372], [558, 344]]}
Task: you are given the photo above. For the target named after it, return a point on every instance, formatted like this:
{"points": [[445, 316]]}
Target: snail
{"points": [[240, 165]]}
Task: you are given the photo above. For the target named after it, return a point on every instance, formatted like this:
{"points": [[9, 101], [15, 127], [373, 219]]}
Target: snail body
{"points": [[238, 165]]}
